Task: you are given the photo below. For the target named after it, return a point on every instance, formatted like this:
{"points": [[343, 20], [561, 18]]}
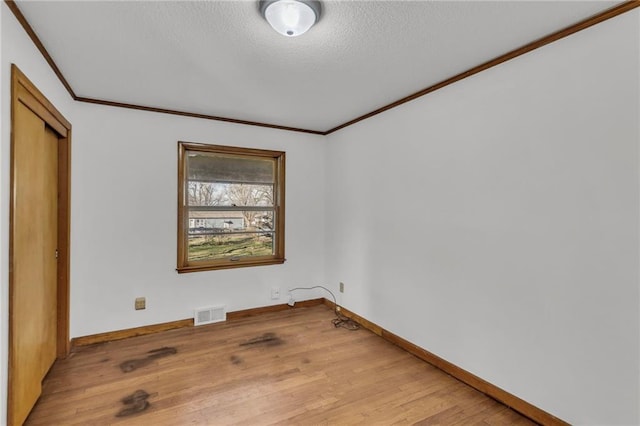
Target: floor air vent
{"points": [[209, 315]]}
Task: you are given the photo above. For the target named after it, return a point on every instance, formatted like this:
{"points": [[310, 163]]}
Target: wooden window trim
{"points": [[183, 264]]}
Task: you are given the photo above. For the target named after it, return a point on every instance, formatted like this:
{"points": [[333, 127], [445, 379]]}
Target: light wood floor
{"points": [[290, 367]]}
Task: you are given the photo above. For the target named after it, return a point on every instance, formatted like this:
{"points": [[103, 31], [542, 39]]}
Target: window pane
{"points": [[224, 234], [225, 221], [226, 168], [229, 194], [220, 246]]}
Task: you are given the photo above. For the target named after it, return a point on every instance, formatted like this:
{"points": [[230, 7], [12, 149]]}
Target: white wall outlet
{"points": [[341, 287], [275, 293]]}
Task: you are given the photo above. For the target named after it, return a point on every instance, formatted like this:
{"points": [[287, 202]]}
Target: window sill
{"points": [[228, 265]]}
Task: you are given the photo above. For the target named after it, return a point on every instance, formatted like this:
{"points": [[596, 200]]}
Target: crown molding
{"points": [[536, 44], [34, 38], [196, 115]]}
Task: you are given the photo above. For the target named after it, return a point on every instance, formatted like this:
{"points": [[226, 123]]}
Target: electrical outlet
{"points": [[141, 303], [341, 287], [275, 293]]}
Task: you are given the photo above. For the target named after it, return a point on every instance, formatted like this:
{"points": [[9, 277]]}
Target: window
{"points": [[230, 207]]}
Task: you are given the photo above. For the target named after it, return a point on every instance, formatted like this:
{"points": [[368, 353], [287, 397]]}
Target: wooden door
{"points": [[34, 293], [39, 244]]}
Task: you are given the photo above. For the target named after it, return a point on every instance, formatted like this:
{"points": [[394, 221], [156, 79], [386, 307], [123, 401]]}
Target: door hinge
{"points": [[57, 253]]}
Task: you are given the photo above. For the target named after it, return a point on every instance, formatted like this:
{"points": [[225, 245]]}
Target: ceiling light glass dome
{"points": [[290, 18]]}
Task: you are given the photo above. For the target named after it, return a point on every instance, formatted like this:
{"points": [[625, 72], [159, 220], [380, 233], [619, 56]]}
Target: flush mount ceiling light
{"points": [[290, 18]]}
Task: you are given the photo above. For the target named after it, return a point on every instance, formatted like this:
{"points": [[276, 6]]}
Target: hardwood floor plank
{"points": [[288, 367]]}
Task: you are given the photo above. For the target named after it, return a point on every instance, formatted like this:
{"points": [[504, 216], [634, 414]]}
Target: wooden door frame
{"points": [[24, 92]]}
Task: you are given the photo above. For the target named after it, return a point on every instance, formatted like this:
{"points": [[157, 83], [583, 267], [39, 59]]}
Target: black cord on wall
{"points": [[340, 320]]}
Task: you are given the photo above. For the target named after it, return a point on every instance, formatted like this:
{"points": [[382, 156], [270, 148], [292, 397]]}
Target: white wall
{"points": [[16, 47], [124, 212], [495, 223]]}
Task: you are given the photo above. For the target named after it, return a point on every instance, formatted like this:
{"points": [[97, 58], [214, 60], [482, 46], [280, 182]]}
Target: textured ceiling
{"points": [[221, 58]]}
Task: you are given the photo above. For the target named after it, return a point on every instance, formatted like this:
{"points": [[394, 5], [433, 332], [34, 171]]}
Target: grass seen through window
{"points": [[216, 247]]}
